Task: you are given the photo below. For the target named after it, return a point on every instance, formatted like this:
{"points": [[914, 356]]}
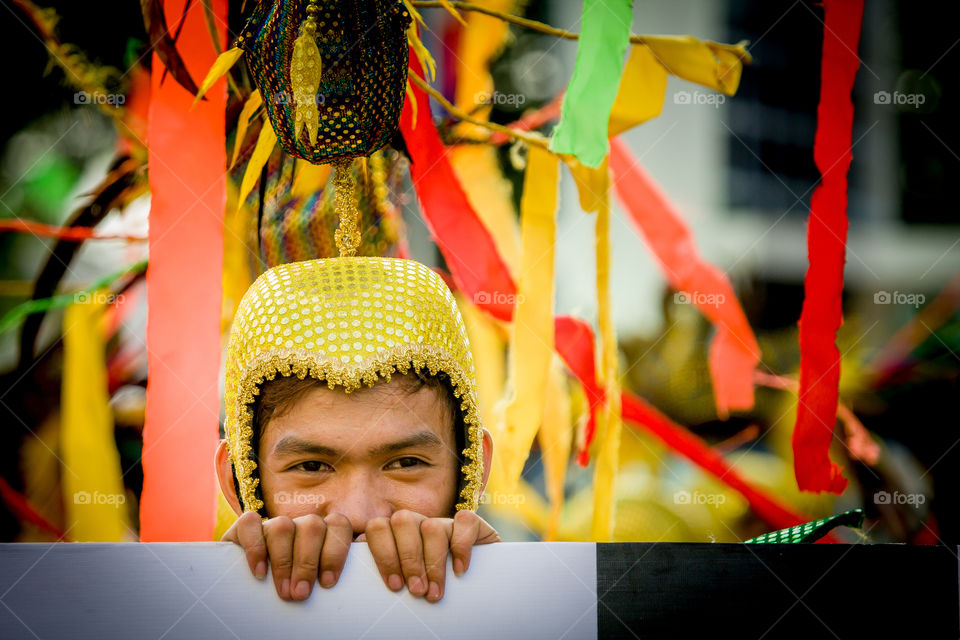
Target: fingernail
{"points": [[303, 589], [414, 585], [434, 593], [285, 588], [261, 571], [458, 566], [327, 579], [395, 582]]}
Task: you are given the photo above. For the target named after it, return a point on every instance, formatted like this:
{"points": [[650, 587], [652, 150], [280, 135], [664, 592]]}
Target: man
{"points": [[389, 451]]}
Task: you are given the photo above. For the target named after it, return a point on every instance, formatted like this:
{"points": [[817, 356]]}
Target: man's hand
{"points": [[408, 548], [411, 548], [299, 549]]}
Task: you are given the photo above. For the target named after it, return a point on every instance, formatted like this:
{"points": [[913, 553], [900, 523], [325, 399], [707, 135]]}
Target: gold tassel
{"points": [[347, 236], [305, 69]]}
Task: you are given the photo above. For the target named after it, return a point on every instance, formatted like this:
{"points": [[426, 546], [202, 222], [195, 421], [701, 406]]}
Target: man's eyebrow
{"points": [[419, 439], [292, 446]]}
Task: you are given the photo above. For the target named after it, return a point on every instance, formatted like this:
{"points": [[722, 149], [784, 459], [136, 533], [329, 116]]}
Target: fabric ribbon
{"points": [[604, 37], [187, 160], [734, 352], [826, 247], [531, 340], [93, 494]]}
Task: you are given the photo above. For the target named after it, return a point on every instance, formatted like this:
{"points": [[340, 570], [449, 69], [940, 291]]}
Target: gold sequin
{"points": [[418, 327]]}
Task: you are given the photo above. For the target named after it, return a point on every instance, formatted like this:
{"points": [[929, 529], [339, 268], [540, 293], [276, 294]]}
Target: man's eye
{"points": [[405, 463], [312, 466]]}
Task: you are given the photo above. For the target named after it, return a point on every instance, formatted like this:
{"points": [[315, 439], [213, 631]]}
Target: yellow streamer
{"points": [[706, 63], [261, 153], [252, 104], [555, 438], [531, 343], [640, 96], [609, 424], [95, 502]]}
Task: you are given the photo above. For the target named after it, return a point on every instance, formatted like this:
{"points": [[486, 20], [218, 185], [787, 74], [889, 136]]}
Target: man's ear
{"points": [[225, 476], [487, 458]]}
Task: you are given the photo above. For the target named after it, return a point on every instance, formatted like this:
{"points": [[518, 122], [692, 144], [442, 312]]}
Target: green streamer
{"points": [[14, 316], [604, 37]]}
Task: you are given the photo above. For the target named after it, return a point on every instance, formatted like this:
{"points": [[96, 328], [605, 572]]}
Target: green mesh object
{"points": [[363, 49], [810, 531]]}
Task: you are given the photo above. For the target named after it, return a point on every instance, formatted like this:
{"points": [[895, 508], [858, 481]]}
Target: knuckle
{"points": [[337, 520], [403, 518], [409, 557], [377, 525], [281, 525], [311, 525], [464, 516], [432, 526]]}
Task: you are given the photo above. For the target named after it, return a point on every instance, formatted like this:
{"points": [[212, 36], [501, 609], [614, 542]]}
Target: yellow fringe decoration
{"points": [[249, 107], [220, 67], [413, 37], [261, 153], [94, 498]]}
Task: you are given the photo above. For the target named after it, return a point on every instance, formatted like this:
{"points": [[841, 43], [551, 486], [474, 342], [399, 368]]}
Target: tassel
{"points": [[305, 69], [220, 67], [347, 236]]}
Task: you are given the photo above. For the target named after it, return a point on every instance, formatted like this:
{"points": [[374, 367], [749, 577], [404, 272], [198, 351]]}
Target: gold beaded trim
{"points": [[301, 362], [347, 235]]}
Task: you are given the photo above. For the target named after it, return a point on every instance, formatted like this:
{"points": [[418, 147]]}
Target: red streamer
{"points": [[26, 512], [826, 246], [734, 352], [474, 262], [188, 194]]}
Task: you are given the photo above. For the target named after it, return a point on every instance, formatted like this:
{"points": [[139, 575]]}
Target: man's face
{"points": [[364, 454]]}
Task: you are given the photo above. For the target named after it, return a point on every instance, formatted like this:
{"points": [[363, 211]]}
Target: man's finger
{"points": [[279, 533], [308, 537], [436, 543], [383, 548], [247, 532], [335, 548], [466, 530], [406, 531]]}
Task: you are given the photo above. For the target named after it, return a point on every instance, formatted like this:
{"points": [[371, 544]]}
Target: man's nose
{"points": [[357, 498]]}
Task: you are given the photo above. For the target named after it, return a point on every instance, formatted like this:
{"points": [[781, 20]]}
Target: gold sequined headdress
{"points": [[348, 321]]}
